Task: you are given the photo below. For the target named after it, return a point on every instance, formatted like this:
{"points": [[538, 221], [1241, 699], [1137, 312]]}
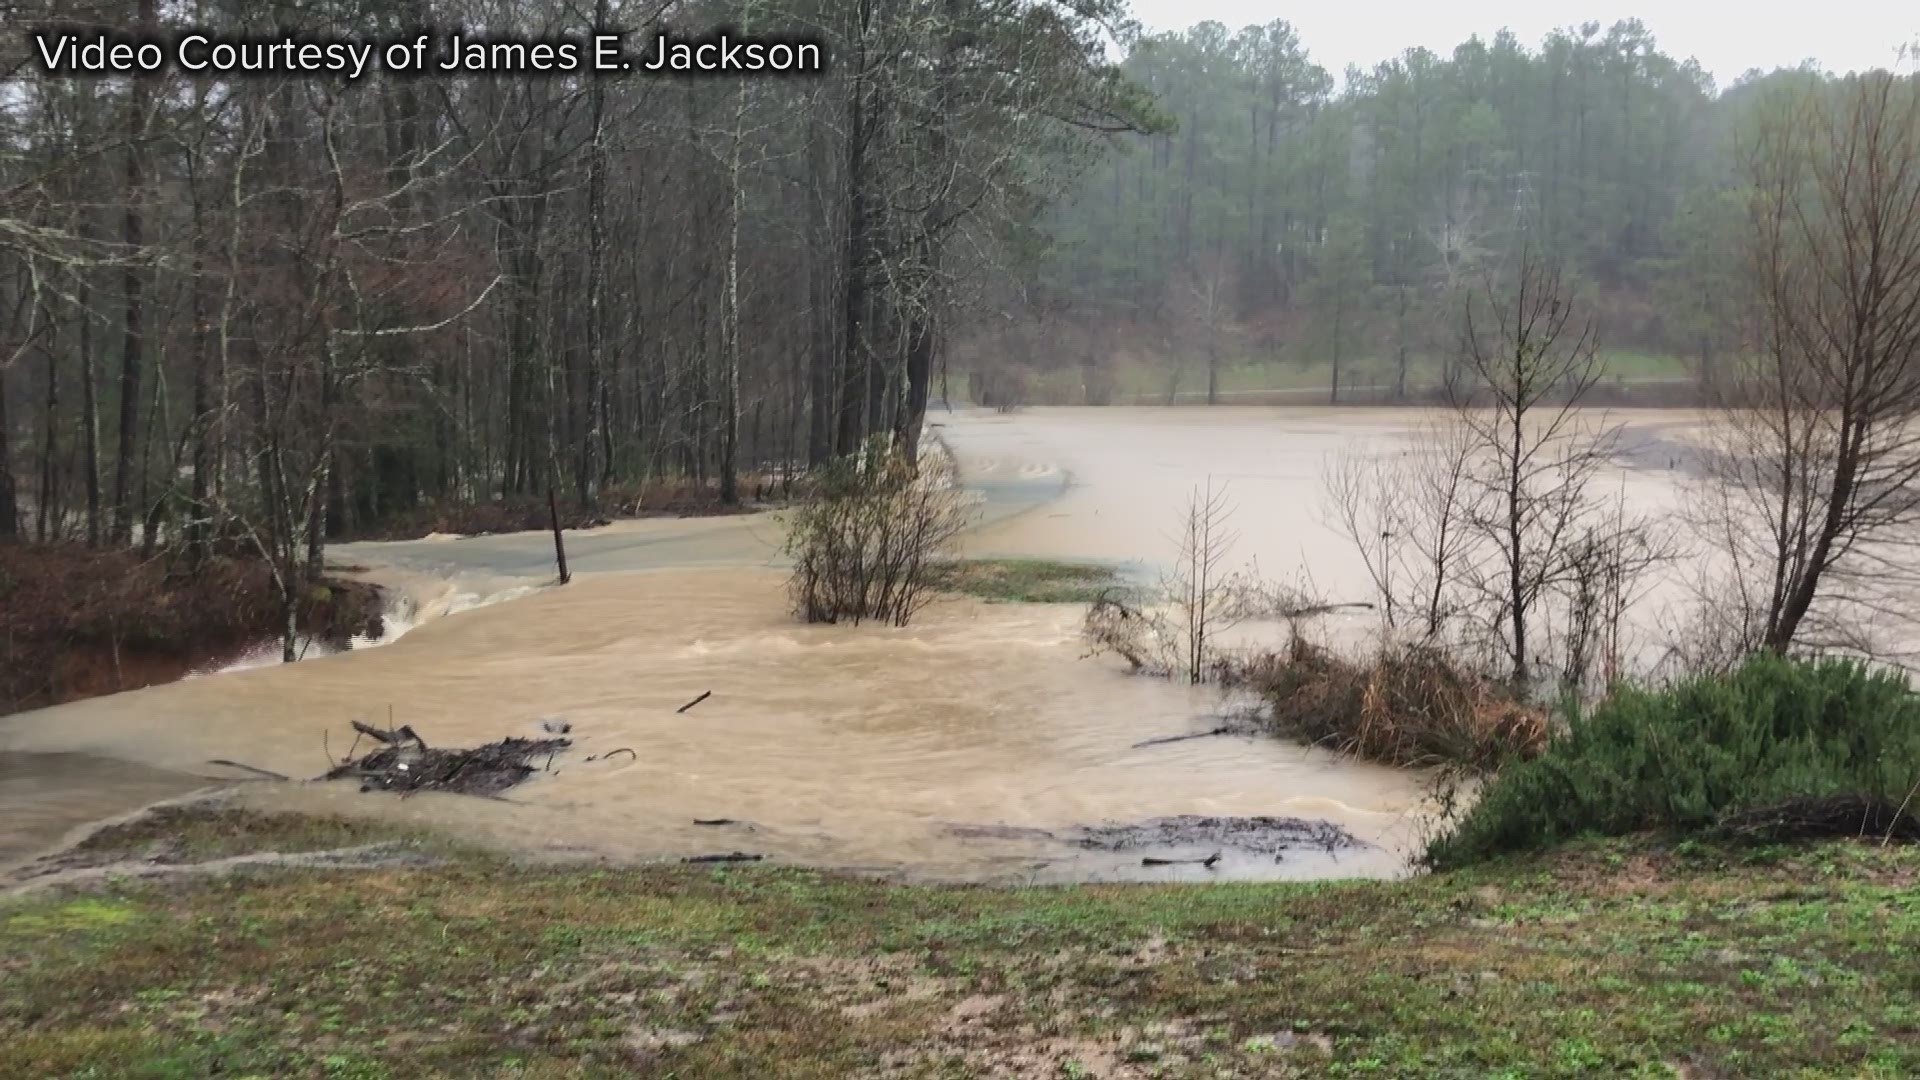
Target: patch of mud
{"points": [[1188, 847], [1273, 836], [1164, 837], [55, 872]]}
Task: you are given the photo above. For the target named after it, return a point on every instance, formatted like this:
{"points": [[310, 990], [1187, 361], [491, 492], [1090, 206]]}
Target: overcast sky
{"points": [[1726, 36]]}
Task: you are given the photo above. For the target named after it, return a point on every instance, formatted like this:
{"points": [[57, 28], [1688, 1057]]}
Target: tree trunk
{"points": [[132, 238], [730, 323], [89, 415], [9, 508], [559, 542], [47, 513], [853, 374], [596, 400]]}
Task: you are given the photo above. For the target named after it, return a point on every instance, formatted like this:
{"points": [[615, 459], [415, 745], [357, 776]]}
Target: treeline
{"points": [[261, 312], [1297, 217]]}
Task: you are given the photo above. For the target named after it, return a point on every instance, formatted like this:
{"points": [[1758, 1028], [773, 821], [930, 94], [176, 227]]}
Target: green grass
{"points": [[1624, 958], [1026, 581]]}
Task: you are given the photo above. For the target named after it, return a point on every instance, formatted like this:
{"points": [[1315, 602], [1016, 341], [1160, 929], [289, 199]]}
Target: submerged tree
{"points": [[1816, 463], [1528, 358]]}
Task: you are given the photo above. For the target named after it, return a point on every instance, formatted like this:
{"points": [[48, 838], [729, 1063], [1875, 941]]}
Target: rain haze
{"points": [[1124, 539], [1728, 40]]}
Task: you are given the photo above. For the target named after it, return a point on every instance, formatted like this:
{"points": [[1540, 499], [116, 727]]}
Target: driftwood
{"points": [[694, 702], [267, 774], [731, 857], [402, 737], [1162, 740], [1207, 862], [405, 764]]}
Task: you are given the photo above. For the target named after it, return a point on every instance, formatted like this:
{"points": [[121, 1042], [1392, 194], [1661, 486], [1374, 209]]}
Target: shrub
{"points": [[866, 541], [1690, 755], [1405, 705]]}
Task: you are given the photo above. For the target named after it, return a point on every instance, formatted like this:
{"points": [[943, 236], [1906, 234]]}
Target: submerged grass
{"points": [[196, 833], [1621, 958], [1026, 581]]}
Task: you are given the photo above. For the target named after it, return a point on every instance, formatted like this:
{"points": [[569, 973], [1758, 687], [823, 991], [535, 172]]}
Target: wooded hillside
{"points": [[1326, 224]]}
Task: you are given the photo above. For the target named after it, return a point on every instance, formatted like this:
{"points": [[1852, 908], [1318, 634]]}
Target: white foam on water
{"points": [[407, 609]]}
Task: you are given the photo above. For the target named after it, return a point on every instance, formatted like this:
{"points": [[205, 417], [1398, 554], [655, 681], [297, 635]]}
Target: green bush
{"points": [[1685, 756]]}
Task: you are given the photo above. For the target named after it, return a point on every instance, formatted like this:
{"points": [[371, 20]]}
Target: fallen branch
{"points": [[1207, 862], [1315, 610], [268, 774], [1900, 813], [737, 856], [1825, 816], [694, 702], [402, 737], [627, 750], [1164, 739]]}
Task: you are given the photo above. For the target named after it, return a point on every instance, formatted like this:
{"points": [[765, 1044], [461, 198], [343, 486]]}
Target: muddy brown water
{"points": [[46, 796], [963, 747]]}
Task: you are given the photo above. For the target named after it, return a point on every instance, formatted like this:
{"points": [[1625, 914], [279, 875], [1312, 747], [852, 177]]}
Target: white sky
{"points": [[1726, 36]]}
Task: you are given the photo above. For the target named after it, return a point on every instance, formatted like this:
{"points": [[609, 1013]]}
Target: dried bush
{"points": [[1176, 632], [1407, 705], [866, 541], [1144, 639]]}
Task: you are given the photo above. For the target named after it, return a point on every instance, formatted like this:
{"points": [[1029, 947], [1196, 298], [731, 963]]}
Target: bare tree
{"points": [[1528, 357], [1815, 459], [1198, 598], [1200, 586], [1406, 514]]}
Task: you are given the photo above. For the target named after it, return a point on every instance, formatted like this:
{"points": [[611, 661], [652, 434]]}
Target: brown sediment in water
{"points": [[1121, 476], [835, 746], [45, 797], [844, 746]]}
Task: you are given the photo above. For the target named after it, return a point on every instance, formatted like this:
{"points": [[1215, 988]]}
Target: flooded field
{"points": [[968, 746]]}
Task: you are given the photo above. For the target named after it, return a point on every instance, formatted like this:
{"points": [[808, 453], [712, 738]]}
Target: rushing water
{"points": [[854, 747]]}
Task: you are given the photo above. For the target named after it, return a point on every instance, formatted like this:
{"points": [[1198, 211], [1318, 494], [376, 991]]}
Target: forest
{"points": [[1327, 223], [264, 312]]}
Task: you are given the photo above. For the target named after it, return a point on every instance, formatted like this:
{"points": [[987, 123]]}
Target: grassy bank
{"points": [[1026, 581], [1618, 959]]}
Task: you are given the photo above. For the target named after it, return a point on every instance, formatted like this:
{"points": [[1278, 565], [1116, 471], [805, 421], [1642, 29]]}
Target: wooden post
{"points": [[559, 545]]}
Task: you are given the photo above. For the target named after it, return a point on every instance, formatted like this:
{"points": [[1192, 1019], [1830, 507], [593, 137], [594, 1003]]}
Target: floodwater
{"points": [[925, 751], [45, 796], [1111, 484]]}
